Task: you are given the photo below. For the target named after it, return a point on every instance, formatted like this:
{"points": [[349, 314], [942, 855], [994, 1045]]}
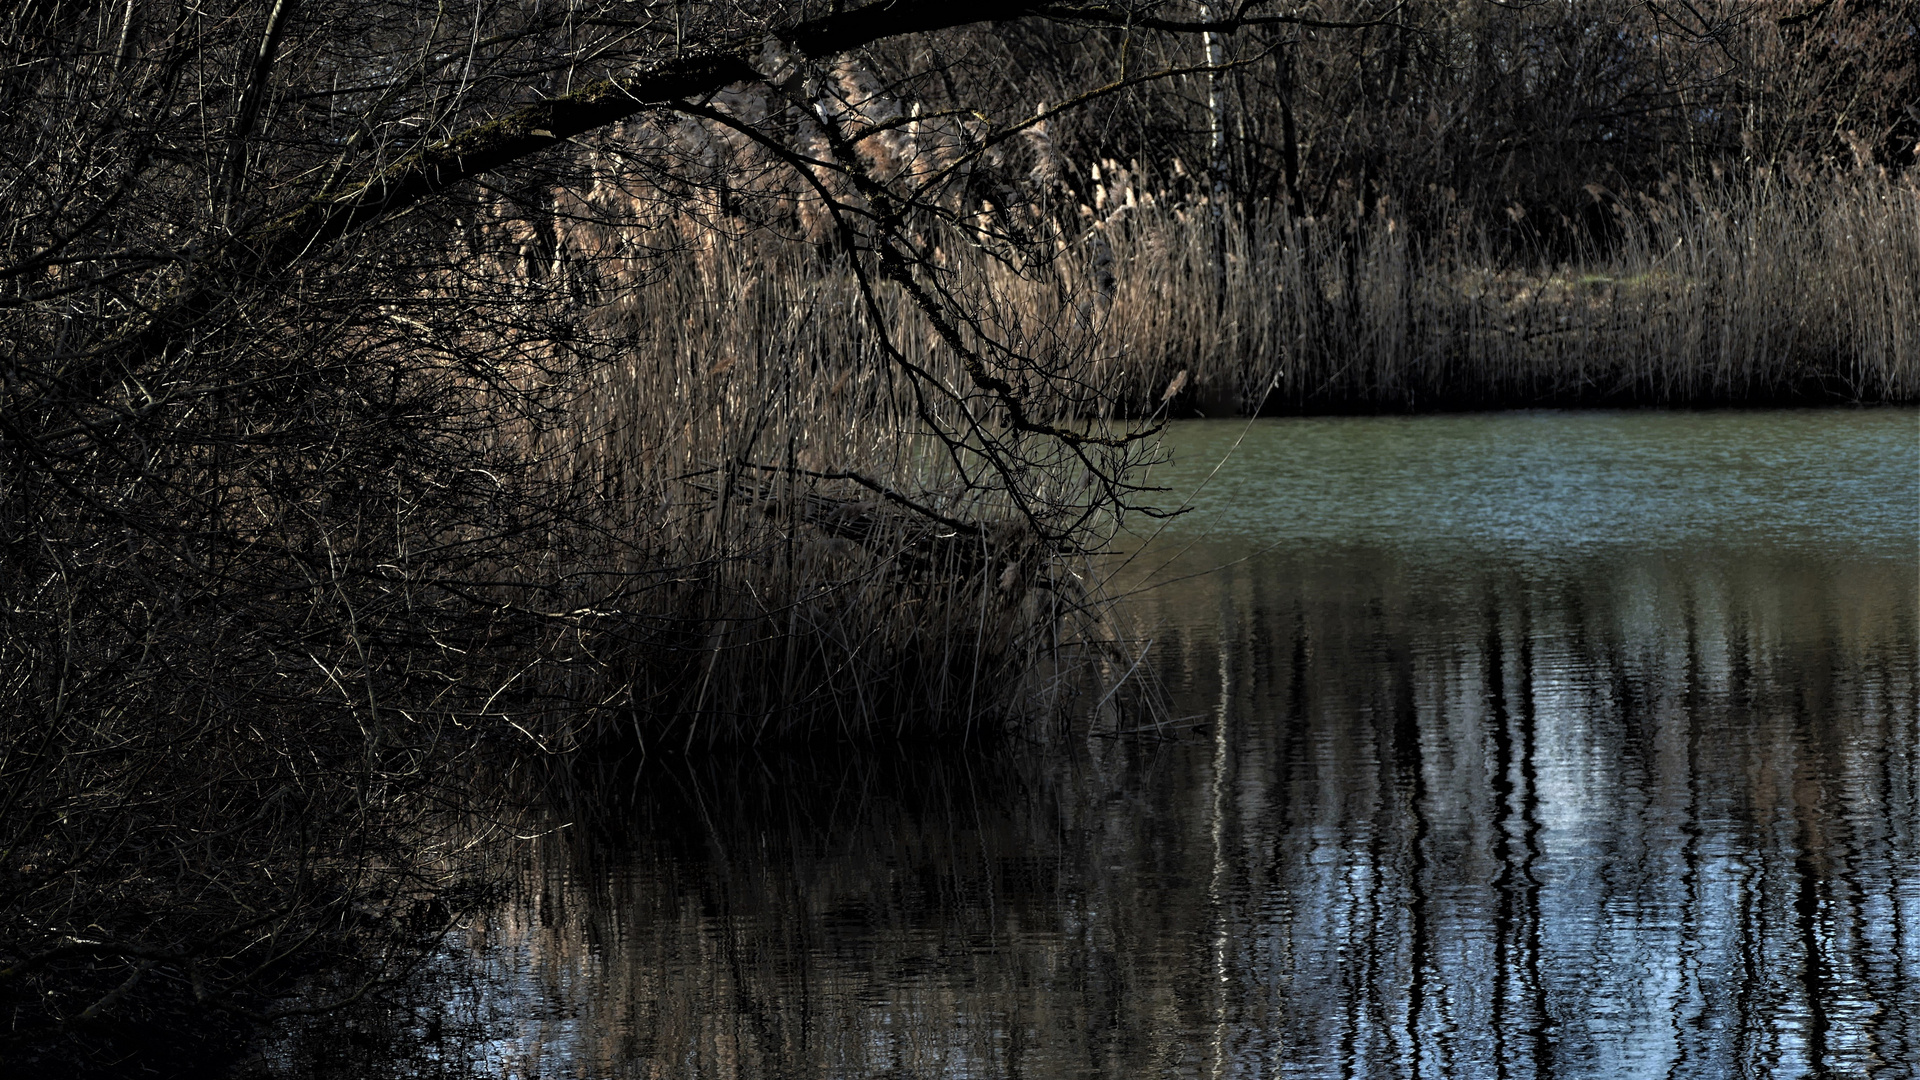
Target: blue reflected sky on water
{"points": [[1536, 745]]}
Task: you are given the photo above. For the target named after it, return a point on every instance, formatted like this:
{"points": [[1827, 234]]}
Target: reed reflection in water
{"points": [[1626, 816], [1540, 745]]}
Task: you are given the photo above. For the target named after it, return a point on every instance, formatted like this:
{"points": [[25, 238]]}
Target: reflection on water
{"points": [[1478, 805]]}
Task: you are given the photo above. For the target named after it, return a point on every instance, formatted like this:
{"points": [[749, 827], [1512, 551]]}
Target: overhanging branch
{"points": [[521, 133]]}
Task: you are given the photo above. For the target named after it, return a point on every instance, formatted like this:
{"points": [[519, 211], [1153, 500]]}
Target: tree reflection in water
{"points": [[1626, 816]]}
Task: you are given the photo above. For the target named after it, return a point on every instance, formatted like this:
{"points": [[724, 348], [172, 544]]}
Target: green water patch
{"points": [[1551, 483]]}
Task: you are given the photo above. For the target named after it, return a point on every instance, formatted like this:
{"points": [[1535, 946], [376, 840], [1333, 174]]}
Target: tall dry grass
{"points": [[1709, 294], [796, 549]]}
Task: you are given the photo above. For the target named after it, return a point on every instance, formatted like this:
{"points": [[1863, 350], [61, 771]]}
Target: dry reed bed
{"points": [[765, 593], [1714, 294]]}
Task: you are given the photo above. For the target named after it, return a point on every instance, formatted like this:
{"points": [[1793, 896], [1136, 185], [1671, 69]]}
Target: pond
{"points": [[1529, 745]]}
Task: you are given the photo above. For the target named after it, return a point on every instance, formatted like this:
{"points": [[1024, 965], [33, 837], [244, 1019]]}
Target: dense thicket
{"points": [[310, 524], [1530, 115], [392, 392]]}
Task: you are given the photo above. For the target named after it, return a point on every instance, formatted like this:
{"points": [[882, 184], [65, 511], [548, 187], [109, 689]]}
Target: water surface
{"points": [[1529, 745]]}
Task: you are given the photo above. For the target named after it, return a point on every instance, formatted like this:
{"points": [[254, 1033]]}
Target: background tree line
{"points": [[1504, 107]]}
